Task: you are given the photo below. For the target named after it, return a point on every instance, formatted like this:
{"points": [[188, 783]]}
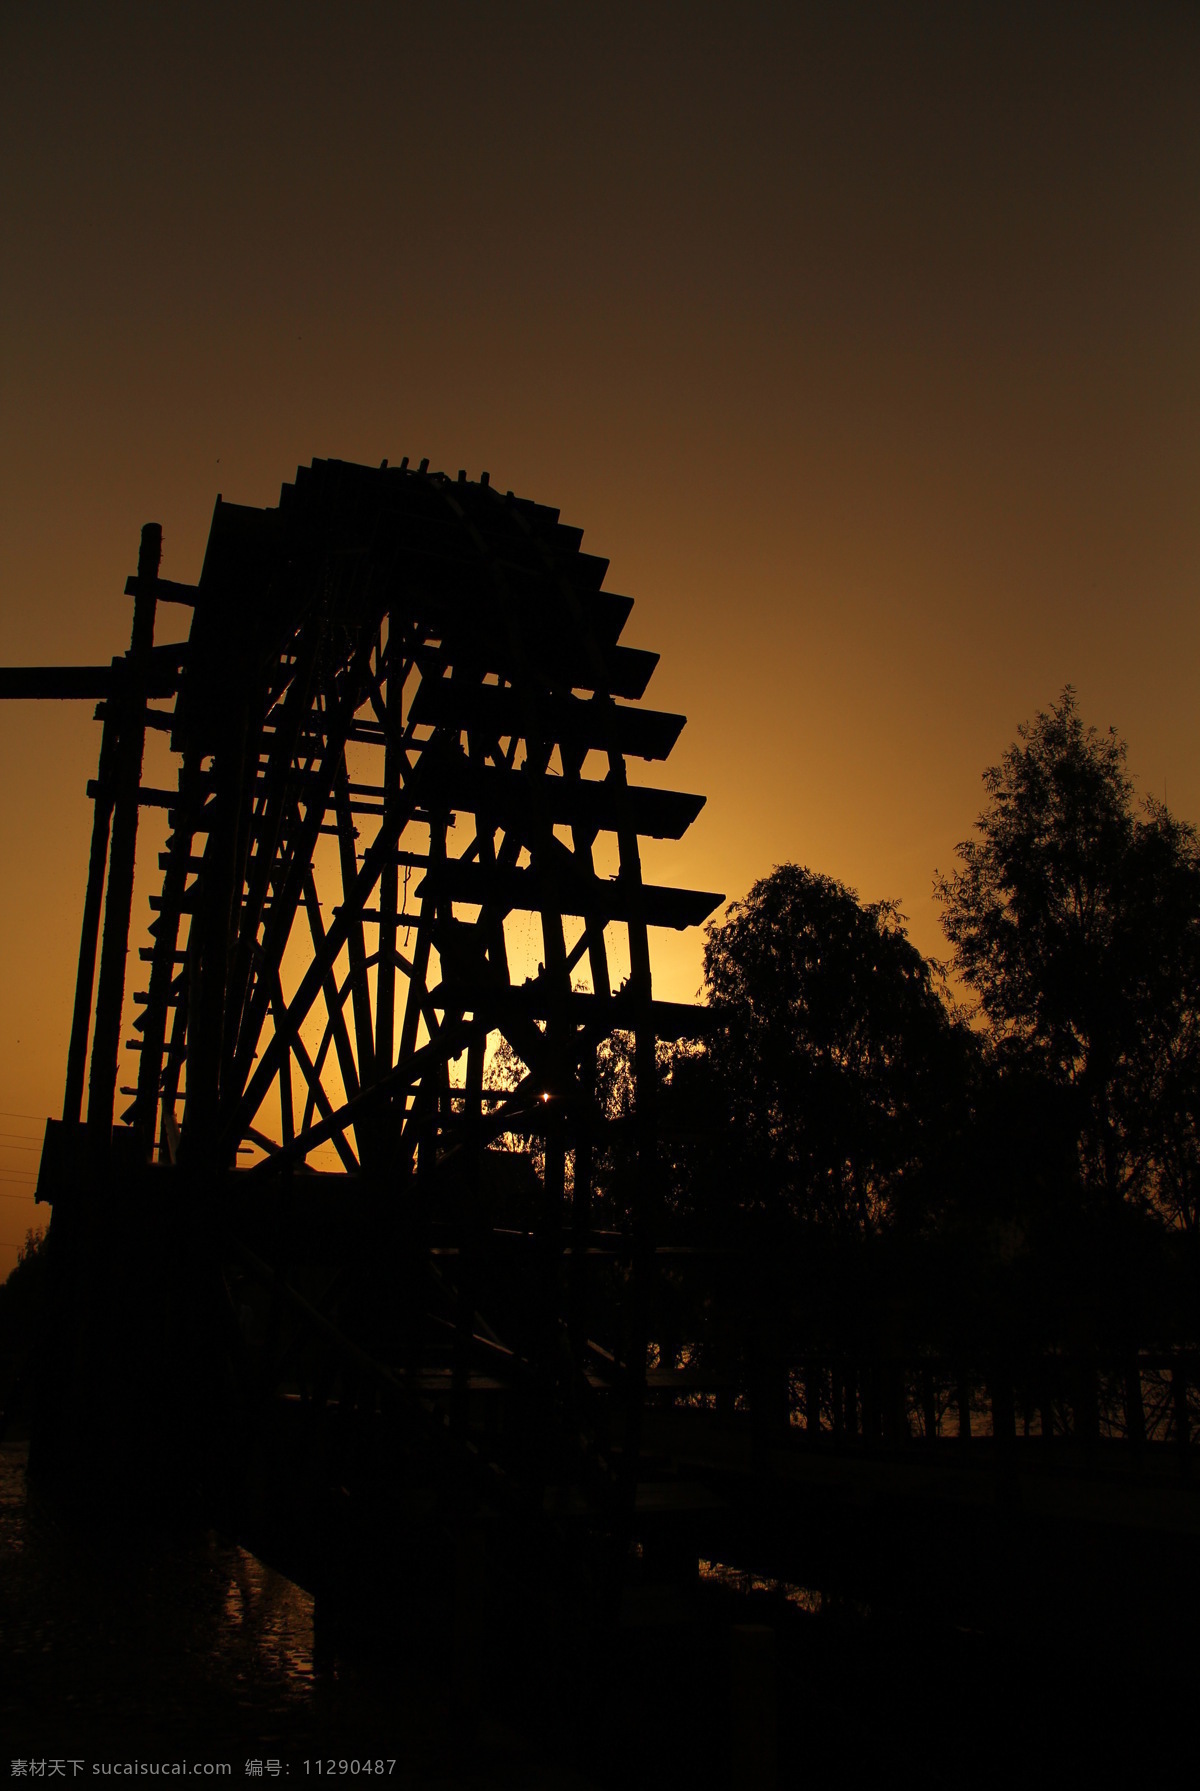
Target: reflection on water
{"points": [[137, 1643], [803, 1598], [275, 1617], [120, 1632]]}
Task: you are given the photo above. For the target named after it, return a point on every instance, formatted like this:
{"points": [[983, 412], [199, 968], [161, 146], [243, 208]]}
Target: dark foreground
{"points": [[143, 1647]]}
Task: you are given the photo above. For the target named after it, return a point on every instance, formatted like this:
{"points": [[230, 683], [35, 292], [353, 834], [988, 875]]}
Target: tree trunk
{"points": [[1046, 1406], [812, 1399], [1179, 1402], [1004, 1417], [871, 1426], [1087, 1407], [928, 1406], [894, 1408], [1135, 1410]]}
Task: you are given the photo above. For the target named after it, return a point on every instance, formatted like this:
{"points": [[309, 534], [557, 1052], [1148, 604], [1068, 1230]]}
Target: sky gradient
{"points": [[862, 341]]}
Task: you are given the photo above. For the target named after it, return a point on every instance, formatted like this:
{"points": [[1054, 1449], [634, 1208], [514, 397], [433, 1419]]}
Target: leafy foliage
{"points": [[1075, 919], [835, 1054]]}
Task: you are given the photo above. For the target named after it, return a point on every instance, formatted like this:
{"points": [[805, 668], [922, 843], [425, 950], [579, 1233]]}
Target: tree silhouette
{"points": [[835, 1056], [21, 1297], [1075, 918], [826, 1105]]}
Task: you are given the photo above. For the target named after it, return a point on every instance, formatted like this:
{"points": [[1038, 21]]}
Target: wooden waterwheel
{"points": [[401, 910]]}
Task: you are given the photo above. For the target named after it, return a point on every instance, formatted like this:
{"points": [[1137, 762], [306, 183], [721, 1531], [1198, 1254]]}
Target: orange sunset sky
{"points": [[863, 340]]}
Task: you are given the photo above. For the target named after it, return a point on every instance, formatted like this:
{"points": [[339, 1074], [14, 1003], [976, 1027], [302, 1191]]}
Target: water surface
{"points": [[135, 1644]]}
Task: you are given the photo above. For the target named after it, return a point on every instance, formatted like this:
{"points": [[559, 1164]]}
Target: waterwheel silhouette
{"points": [[401, 911]]}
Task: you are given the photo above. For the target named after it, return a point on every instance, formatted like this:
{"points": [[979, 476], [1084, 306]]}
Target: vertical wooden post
{"points": [[385, 972], [812, 1399], [581, 1214], [850, 1396], [1045, 1403], [581, 1203], [415, 1211], [169, 1125], [471, 1227], [410, 1027], [1179, 1404], [645, 1123], [550, 1241], [210, 941], [1135, 1408], [549, 1246], [962, 1395], [102, 1083], [928, 1405], [360, 994], [162, 968], [89, 934]]}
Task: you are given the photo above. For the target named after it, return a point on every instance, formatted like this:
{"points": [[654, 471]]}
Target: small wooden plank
{"points": [[55, 683]]}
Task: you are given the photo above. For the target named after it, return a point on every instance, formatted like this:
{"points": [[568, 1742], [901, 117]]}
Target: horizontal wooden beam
{"points": [[621, 671], [606, 1013], [81, 683], [534, 608], [569, 892], [580, 722], [513, 796], [55, 683], [147, 797], [163, 590]]}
